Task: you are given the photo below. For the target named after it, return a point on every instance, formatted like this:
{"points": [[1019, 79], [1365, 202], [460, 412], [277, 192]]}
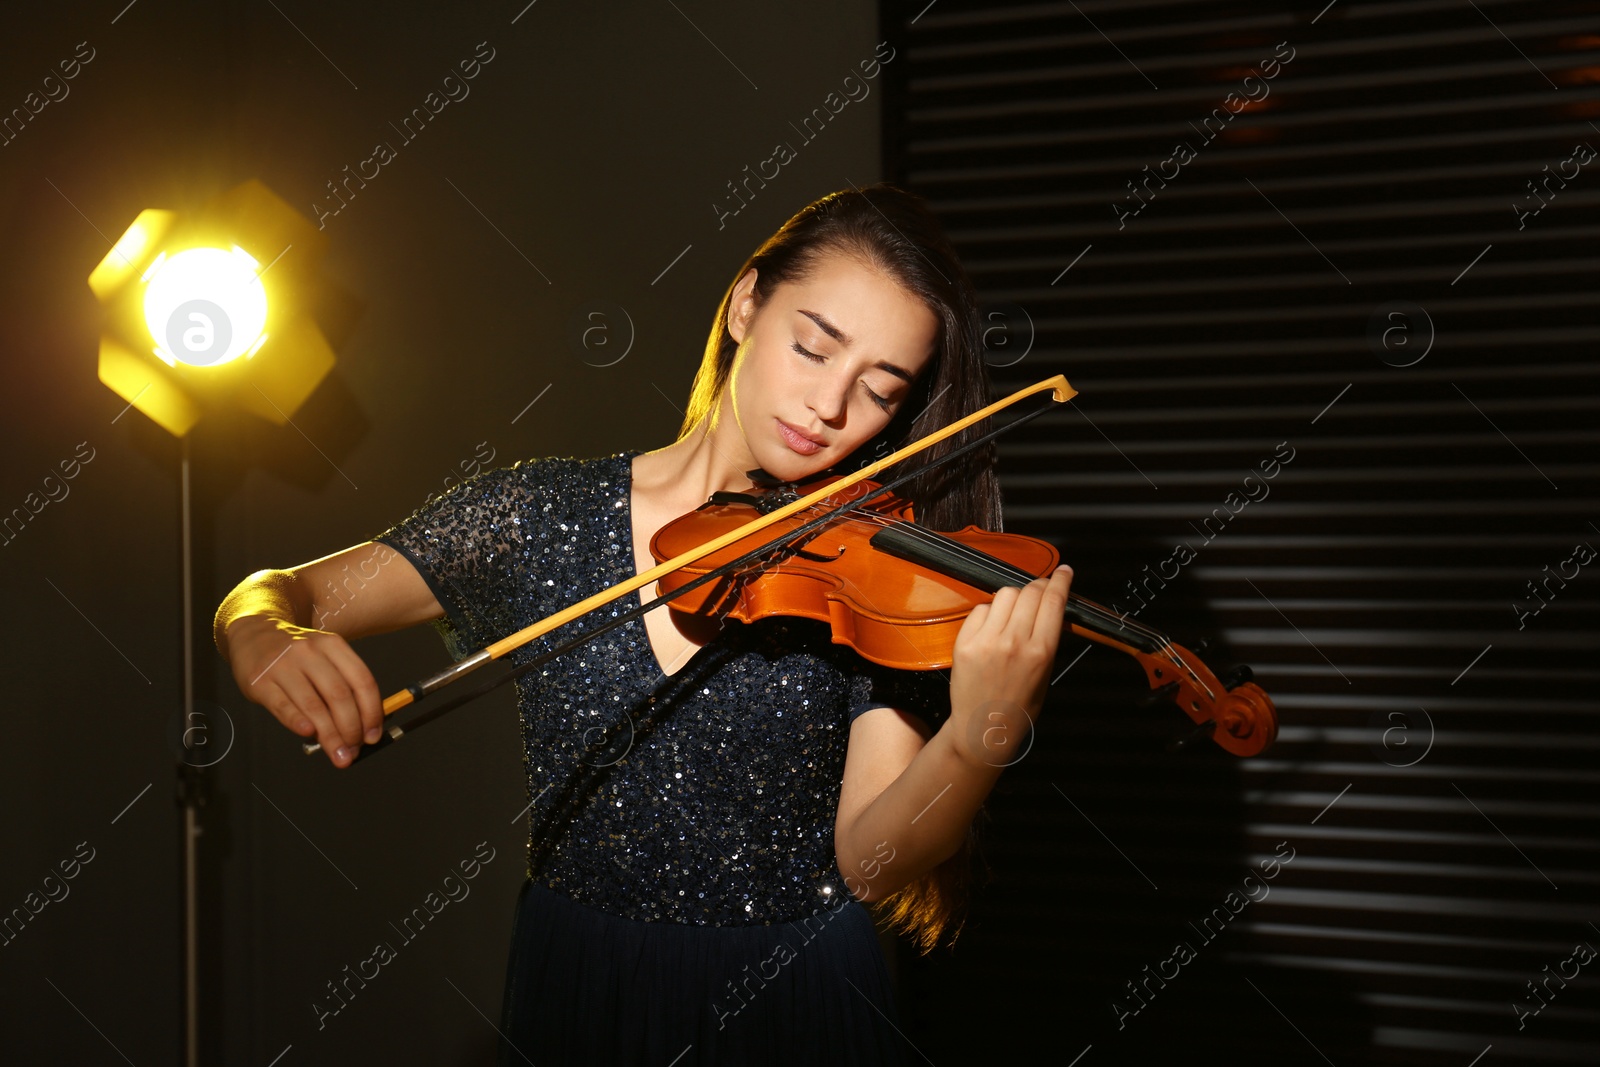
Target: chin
{"points": [[790, 466], [794, 468]]}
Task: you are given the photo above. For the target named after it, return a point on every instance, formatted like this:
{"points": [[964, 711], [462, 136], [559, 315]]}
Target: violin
{"points": [[899, 599], [898, 593]]}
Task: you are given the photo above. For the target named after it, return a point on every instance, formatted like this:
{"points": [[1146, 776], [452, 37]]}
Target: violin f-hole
{"points": [[819, 557]]}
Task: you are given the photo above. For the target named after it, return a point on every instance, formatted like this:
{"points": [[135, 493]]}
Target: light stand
{"points": [[195, 324]]}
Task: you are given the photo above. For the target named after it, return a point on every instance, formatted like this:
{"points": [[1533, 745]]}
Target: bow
{"points": [[1057, 386]]}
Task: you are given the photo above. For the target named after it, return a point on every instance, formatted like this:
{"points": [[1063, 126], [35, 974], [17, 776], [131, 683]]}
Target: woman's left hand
{"points": [[1003, 655]]}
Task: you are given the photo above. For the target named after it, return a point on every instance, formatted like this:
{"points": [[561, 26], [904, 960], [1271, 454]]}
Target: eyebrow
{"points": [[846, 340]]}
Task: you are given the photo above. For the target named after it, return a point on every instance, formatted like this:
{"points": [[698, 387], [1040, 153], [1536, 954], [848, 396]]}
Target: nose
{"points": [[830, 394]]}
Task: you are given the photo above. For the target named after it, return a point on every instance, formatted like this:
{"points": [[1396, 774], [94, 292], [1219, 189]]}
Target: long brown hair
{"points": [[893, 231]]}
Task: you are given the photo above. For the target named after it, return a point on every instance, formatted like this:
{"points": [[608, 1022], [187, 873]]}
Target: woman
{"points": [[711, 805]]}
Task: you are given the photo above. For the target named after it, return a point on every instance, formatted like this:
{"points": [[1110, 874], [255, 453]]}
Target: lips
{"points": [[799, 442]]}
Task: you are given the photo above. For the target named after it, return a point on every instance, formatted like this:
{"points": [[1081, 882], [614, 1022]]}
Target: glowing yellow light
{"points": [[131, 245], [205, 306], [155, 265]]}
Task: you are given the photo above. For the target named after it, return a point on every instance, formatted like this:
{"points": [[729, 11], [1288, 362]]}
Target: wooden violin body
{"points": [[901, 616], [898, 594]]}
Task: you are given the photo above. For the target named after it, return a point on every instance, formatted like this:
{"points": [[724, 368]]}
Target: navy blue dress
{"points": [[683, 904]]}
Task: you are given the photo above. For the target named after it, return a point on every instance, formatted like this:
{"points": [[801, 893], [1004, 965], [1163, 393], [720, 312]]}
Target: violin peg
{"points": [[1237, 677], [1200, 646], [1159, 695], [1202, 732]]}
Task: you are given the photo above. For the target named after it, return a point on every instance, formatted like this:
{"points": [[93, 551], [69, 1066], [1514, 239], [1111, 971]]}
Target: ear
{"points": [[742, 305]]}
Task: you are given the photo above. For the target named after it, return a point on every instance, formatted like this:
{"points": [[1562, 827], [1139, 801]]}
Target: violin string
{"points": [[998, 569], [1006, 574]]}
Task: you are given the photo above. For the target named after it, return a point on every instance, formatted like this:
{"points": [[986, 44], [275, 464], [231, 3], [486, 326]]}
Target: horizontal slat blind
{"points": [[1435, 775]]}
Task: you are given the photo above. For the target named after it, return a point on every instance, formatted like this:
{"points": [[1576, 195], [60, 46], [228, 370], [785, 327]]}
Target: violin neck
{"points": [[991, 574]]}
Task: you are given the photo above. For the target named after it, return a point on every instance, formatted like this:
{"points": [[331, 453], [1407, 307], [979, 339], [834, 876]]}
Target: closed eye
{"points": [[882, 402]]}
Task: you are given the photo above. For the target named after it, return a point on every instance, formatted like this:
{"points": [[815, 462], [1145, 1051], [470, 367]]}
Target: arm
{"points": [[286, 635], [907, 799], [905, 804]]}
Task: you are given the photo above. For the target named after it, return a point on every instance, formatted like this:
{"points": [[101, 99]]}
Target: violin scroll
{"points": [[1245, 717]]}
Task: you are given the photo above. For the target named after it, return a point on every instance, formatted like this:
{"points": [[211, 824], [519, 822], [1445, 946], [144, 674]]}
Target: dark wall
{"points": [[582, 167]]}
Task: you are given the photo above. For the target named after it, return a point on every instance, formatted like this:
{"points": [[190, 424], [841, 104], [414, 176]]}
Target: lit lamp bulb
{"points": [[185, 310], [205, 306]]}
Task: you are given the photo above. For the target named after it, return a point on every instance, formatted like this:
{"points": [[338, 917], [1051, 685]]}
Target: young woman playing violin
{"points": [[696, 882]]}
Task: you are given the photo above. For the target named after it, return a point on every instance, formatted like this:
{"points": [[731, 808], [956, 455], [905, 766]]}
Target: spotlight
{"points": [[205, 311]]}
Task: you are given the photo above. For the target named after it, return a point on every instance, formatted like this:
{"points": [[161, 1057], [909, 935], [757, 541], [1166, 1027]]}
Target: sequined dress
{"points": [[683, 895]]}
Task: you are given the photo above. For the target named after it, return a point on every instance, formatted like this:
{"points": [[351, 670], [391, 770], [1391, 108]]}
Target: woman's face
{"points": [[822, 366]]}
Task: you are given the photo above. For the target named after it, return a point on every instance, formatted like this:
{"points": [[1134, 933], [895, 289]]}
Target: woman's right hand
{"points": [[311, 680]]}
